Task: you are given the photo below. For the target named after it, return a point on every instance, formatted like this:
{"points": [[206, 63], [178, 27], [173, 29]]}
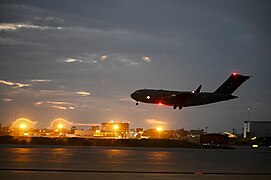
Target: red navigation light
{"points": [[160, 104], [235, 74]]}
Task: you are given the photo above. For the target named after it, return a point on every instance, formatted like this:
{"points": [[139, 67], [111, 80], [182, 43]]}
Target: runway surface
{"points": [[71, 162]]}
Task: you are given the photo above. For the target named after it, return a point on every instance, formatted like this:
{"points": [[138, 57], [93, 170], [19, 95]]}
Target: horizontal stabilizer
{"points": [[231, 84]]}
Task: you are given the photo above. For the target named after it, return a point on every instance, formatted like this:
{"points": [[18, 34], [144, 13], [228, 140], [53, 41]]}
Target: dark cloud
{"points": [[111, 48]]}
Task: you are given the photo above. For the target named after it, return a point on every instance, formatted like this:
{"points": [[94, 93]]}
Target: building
{"points": [[83, 133], [196, 132], [115, 127], [257, 129], [119, 129], [104, 135], [4, 131]]}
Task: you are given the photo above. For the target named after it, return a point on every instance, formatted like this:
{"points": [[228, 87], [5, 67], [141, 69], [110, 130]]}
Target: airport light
{"points": [[159, 129], [23, 126], [115, 127], [60, 126]]}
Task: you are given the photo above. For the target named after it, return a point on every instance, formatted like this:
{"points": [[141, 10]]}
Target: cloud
{"points": [[128, 62], [41, 80], [58, 102], [82, 93], [127, 99], [7, 100], [49, 18], [155, 122], [15, 26], [20, 85], [16, 41], [62, 94], [56, 93], [92, 59], [115, 59], [7, 82], [53, 103], [62, 105], [38, 103], [14, 84], [59, 107], [146, 59], [71, 60]]}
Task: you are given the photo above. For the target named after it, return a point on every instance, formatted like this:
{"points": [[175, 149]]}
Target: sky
{"points": [[81, 60]]}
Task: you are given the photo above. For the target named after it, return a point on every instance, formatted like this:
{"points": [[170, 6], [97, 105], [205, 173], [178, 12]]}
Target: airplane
{"points": [[182, 99]]}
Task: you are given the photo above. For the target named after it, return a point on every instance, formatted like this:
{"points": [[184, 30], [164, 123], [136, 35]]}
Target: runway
{"points": [[70, 162]]}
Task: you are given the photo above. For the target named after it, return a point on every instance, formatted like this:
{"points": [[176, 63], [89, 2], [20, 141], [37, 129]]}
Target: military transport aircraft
{"points": [[182, 99]]}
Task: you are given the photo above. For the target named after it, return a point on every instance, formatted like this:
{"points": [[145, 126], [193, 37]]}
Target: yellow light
{"points": [[60, 126], [255, 146], [115, 127], [26, 134], [253, 138], [159, 129], [23, 126]]}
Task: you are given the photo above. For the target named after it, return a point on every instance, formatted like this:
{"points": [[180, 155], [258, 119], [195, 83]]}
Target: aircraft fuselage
{"points": [[190, 98], [178, 98]]}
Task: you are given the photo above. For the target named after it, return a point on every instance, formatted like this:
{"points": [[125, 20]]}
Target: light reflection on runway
{"points": [[67, 162]]}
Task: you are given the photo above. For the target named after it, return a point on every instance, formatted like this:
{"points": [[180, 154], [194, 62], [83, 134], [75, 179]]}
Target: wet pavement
{"points": [[71, 162]]}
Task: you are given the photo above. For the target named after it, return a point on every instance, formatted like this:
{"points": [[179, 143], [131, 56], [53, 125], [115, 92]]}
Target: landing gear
{"points": [[175, 107], [137, 103]]}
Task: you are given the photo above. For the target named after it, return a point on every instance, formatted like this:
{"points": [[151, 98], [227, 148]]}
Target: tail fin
{"points": [[232, 83], [198, 89]]}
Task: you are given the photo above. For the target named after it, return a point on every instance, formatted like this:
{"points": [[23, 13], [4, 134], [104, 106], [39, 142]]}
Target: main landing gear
{"points": [[175, 107], [137, 103]]}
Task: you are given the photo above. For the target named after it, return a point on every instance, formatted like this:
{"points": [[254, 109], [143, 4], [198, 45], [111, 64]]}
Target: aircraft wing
{"points": [[178, 98]]}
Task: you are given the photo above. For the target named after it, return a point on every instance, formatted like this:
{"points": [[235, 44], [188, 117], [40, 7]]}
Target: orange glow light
{"points": [[115, 127], [60, 126], [159, 129], [23, 126]]}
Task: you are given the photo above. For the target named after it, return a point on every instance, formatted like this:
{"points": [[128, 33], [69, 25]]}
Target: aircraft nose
{"points": [[134, 95]]}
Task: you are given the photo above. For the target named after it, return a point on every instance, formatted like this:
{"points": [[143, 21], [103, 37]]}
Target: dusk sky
{"points": [[81, 60]]}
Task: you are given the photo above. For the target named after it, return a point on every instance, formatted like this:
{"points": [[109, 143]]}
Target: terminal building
{"points": [[257, 129], [115, 130], [115, 126]]}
